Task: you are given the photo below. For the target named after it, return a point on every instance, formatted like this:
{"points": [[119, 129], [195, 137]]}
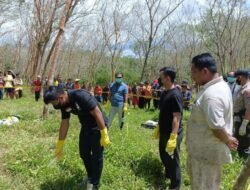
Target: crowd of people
{"points": [[212, 131], [10, 85], [218, 124]]}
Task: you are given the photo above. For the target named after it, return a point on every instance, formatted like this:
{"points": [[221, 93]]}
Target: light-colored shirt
{"points": [[18, 83], [212, 109], [8, 81], [235, 89]]}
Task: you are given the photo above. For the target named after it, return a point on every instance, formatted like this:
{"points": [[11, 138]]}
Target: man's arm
{"points": [[63, 129], [126, 98], [247, 105], [230, 141], [176, 122], [62, 136], [97, 114], [172, 141]]}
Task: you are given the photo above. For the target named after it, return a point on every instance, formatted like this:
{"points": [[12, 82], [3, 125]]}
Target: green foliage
{"points": [[132, 162], [103, 76]]}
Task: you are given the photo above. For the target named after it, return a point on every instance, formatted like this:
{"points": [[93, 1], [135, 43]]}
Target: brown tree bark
{"points": [[53, 54]]}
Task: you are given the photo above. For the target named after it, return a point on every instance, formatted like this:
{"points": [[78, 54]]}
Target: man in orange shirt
{"points": [[148, 94]]}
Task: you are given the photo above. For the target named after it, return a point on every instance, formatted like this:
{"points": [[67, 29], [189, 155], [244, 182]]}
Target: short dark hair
{"points": [[52, 94], [169, 71], [205, 60], [119, 73], [243, 72]]}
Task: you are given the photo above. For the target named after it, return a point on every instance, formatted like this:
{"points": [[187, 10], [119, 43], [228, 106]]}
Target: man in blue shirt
{"points": [[118, 97]]}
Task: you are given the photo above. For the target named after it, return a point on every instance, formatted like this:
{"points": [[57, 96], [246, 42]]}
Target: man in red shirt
{"points": [[37, 84], [98, 93]]}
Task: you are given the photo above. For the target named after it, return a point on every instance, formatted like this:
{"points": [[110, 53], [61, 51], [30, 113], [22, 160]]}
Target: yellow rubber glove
{"points": [[171, 144], [157, 132], [125, 107], [59, 149], [105, 142]]}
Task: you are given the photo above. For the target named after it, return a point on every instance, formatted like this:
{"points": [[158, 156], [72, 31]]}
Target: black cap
{"points": [[184, 82], [243, 72], [52, 94], [119, 75]]}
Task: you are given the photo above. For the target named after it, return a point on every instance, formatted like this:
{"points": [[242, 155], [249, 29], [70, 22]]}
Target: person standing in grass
{"points": [[93, 136], [37, 84], [1, 85], [242, 113], [170, 131], [209, 130], [9, 84], [118, 97], [18, 86]]}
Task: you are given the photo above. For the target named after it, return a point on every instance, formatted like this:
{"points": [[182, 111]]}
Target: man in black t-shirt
{"points": [[93, 135], [170, 131]]}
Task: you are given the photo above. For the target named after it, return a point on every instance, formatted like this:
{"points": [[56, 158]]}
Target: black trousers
{"points": [[37, 95], [172, 164], [244, 141], [147, 103], [156, 103], [91, 153]]}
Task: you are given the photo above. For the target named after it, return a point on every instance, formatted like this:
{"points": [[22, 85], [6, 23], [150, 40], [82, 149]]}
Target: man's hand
{"points": [[125, 107], [243, 127], [232, 143], [105, 142], [157, 132], [59, 149], [171, 144]]}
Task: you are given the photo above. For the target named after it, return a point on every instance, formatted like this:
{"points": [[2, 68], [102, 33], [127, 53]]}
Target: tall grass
{"points": [[131, 163]]}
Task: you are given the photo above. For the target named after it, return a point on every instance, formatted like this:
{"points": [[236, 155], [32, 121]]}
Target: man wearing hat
{"points": [[118, 97], [242, 113], [186, 94], [93, 136], [9, 84]]}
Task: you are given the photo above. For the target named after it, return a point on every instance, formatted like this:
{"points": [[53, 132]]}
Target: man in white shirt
{"points": [[209, 133]]}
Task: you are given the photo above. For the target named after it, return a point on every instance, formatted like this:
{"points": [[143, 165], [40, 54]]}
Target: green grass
{"points": [[132, 162]]}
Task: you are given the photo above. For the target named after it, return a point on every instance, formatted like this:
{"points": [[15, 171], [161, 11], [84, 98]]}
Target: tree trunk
{"points": [[52, 57]]}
